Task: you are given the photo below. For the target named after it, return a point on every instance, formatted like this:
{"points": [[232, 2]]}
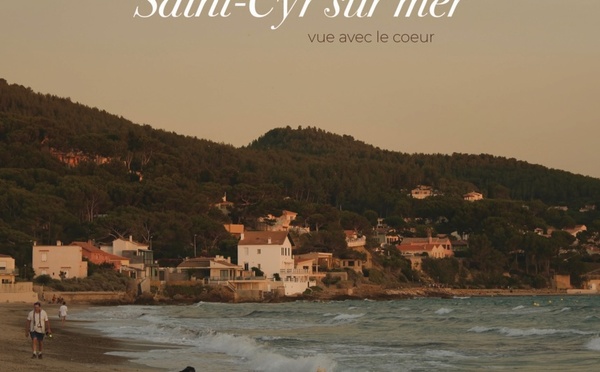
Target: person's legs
{"points": [[34, 344], [37, 344]]}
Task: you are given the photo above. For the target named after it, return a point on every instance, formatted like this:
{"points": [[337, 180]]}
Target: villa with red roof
{"points": [[97, 256]]}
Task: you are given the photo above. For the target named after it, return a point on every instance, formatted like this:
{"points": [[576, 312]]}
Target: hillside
{"points": [[71, 172]]}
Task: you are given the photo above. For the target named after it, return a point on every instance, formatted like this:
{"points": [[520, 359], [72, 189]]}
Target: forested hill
{"points": [[496, 177], [71, 172]]}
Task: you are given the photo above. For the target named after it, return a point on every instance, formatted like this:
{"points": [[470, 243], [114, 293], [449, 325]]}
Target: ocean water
{"points": [[460, 334]]}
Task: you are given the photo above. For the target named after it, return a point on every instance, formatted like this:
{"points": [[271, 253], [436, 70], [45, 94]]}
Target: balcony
{"points": [[285, 272]]}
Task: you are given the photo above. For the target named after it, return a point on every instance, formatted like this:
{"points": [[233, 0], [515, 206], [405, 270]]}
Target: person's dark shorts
{"points": [[38, 336]]}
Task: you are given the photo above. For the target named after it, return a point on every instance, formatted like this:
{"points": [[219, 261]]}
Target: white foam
{"points": [[343, 318], [244, 350], [518, 332], [480, 329], [444, 354], [519, 307], [444, 311], [593, 344]]}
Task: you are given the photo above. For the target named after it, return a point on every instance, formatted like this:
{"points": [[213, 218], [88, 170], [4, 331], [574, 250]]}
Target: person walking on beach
{"points": [[62, 312], [36, 327]]}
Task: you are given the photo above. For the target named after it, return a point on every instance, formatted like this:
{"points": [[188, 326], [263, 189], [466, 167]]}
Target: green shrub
{"points": [[43, 279]]}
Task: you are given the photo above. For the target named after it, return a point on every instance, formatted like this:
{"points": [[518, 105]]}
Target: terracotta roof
{"points": [[89, 247], [233, 228], [350, 233], [262, 237], [4, 255]]}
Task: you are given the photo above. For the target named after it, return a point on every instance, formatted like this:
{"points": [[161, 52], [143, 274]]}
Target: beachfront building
{"points": [[59, 261], [271, 253], [141, 257], [97, 256], [212, 269], [7, 269], [268, 251], [321, 262], [11, 291]]}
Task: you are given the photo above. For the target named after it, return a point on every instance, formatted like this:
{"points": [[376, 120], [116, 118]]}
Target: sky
{"points": [[512, 78]]}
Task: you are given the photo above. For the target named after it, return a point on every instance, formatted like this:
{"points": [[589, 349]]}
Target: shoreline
{"points": [[73, 348]]}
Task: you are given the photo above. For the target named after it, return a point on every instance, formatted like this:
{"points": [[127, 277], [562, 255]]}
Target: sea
{"points": [[536, 333]]}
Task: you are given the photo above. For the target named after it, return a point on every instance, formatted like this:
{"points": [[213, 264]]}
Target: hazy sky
{"points": [[515, 78]]}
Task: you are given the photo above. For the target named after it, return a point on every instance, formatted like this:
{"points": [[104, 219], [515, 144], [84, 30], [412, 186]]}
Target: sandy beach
{"points": [[71, 349]]}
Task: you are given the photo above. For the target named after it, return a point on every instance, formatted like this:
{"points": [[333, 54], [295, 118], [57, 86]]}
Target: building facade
{"points": [[59, 261]]}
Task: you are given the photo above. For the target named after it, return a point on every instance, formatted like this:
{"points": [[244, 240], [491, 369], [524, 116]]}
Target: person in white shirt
{"points": [[62, 312], [36, 327]]}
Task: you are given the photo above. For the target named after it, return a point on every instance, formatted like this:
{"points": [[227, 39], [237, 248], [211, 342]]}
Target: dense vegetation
{"points": [[161, 187]]}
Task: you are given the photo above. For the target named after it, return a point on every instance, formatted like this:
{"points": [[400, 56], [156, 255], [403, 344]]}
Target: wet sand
{"points": [[72, 348]]}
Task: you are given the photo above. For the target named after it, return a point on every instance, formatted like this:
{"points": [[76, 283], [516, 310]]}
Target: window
{"points": [[258, 251], [44, 256], [282, 252], [246, 251]]}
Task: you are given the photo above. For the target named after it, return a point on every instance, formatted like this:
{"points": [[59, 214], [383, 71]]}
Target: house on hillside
{"points": [[97, 256], [576, 230], [415, 249], [422, 192], [358, 243], [587, 208], [59, 261], [472, 196], [224, 206], [281, 223]]}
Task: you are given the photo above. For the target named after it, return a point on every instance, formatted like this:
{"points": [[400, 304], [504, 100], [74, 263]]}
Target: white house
{"points": [[269, 251]]}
